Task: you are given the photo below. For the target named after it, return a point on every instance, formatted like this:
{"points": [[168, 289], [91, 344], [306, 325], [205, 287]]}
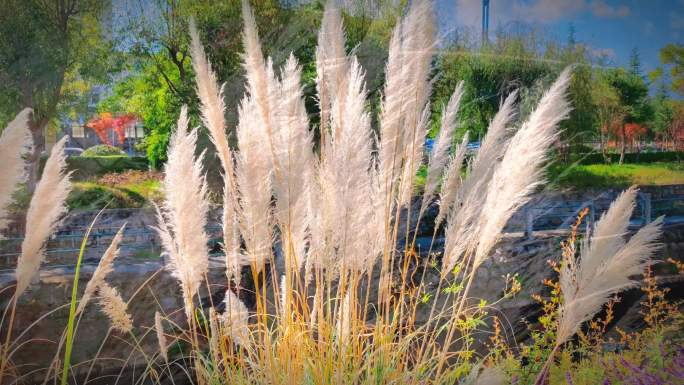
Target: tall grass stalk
{"points": [[66, 362]]}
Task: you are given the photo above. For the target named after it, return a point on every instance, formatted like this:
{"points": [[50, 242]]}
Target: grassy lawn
{"points": [[614, 175], [132, 189]]}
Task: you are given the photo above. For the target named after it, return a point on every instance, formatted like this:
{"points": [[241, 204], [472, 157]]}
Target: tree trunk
{"points": [[623, 144], [37, 129], [37, 126], [604, 151]]}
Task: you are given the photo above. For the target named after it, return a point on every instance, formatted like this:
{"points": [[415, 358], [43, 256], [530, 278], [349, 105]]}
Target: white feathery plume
{"points": [[492, 148], [212, 109], [161, 337], [183, 217], [235, 319], [43, 216], [440, 151], [104, 267], [520, 170], [115, 308], [452, 181], [413, 157], [461, 226], [391, 123], [331, 61], [211, 98], [406, 96], [253, 174], [608, 234], [346, 176], [14, 142], [293, 142], [262, 86], [605, 265], [418, 42], [463, 206], [322, 211]]}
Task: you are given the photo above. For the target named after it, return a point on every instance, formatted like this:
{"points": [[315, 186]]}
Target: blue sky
{"points": [[610, 28]]}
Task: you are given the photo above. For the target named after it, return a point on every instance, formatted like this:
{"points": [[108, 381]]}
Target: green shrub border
{"points": [[87, 167]]}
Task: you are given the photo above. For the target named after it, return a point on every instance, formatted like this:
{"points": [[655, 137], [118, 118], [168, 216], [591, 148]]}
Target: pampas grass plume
{"points": [[606, 264], [183, 217], [212, 110], [161, 337], [103, 269], [520, 170], [43, 216], [115, 308], [440, 151], [14, 141], [235, 319], [451, 181]]}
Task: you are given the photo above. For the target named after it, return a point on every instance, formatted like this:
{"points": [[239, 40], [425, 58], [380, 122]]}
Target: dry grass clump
{"points": [[317, 232]]}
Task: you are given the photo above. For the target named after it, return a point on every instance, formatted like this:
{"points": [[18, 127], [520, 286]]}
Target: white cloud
{"points": [[648, 28], [600, 8], [469, 12], [602, 53], [546, 11], [676, 21]]}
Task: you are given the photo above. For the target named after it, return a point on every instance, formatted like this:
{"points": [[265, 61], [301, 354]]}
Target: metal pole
{"points": [[485, 22]]}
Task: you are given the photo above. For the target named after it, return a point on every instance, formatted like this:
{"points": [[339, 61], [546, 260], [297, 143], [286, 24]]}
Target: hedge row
{"points": [[87, 167]]}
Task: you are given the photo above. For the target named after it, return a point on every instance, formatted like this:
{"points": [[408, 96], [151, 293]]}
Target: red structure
{"points": [[105, 122]]}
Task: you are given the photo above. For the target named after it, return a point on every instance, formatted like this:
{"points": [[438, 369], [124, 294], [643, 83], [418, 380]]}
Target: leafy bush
{"points": [[102, 150], [84, 168]]}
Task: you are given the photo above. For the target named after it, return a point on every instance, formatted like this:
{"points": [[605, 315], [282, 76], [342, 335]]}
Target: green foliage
{"points": [[102, 150], [663, 110], [83, 168], [161, 80], [489, 78], [50, 56], [673, 56], [632, 91], [148, 96]]}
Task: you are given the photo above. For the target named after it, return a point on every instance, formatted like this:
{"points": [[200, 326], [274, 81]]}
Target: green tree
{"points": [[146, 92], [663, 113], [160, 77], [672, 55], [489, 77], [609, 111], [45, 46], [632, 90], [579, 127], [635, 62]]}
